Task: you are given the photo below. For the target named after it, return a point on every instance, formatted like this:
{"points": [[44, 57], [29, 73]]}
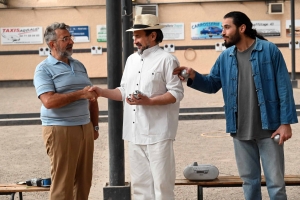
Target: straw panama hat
{"points": [[145, 22]]}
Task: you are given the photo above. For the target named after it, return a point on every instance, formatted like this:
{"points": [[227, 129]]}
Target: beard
{"points": [[65, 52], [233, 40], [142, 49]]}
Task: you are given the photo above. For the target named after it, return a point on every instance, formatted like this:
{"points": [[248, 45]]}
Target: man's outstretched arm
{"points": [[113, 94]]}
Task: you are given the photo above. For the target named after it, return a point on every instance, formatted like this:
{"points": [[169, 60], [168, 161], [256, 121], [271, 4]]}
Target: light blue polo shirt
{"points": [[52, 75]]}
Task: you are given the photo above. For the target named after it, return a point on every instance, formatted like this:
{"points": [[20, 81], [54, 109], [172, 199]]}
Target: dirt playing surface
{"points": [[23, 155]]}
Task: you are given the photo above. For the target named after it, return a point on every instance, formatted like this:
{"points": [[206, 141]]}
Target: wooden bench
{"points": [[231, 181], [221, 181], [12, 189]]}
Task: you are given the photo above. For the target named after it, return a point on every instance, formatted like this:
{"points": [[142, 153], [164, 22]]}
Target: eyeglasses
{"points": [[67, 38]]}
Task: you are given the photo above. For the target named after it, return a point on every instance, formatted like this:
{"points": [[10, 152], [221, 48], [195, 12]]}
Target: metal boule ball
{"points": [[276, 138], [184, 74]]}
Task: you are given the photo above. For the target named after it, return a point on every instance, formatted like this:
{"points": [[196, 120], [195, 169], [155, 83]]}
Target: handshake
{"points": [[136, 98], [89, 93]]}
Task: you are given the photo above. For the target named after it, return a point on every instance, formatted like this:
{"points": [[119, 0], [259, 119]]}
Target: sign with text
{"points": [[173, 31], [80, 33], [21, 35], [267, 28], [101, 33], [206, 30]]}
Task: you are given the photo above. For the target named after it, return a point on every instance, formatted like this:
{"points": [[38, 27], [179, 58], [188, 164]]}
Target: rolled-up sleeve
{"points": [[173, 83], [122, 90], [124, 82]]}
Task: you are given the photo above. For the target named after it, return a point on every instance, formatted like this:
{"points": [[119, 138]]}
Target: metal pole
{"points": [[126, 24], [293, 38], [115, 108]]}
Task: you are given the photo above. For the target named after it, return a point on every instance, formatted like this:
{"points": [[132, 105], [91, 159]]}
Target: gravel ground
{"points": [[23, 155]]}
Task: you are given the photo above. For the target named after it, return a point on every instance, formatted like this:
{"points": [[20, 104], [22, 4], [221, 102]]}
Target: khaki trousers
{"points": [[152, 170], [70, 149]]}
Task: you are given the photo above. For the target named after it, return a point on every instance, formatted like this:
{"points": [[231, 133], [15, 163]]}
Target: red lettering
{"points": [[11, 30]]}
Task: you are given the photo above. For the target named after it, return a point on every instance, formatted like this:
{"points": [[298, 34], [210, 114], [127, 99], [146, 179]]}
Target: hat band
{"points": [[141, 26]]}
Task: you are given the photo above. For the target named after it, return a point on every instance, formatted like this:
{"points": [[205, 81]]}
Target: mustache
{"points": [[224, 36], [69, 46]]}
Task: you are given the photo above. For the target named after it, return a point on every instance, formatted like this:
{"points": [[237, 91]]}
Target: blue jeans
{"points": [[248, 154]]}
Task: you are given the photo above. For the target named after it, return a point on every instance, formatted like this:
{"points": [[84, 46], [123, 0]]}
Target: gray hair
{"points": [[50, 34]]}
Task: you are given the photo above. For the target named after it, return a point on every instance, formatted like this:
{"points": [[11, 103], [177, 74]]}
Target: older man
{"points": [[69, 119]]}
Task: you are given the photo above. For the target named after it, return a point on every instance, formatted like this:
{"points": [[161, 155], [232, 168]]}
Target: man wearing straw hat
{"points": [[151, 117]]}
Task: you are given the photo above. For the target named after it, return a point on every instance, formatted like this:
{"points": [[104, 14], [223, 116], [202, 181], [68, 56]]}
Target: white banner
{"points": [[173, 31], [267, 28], [101, 33], [21, 35]]}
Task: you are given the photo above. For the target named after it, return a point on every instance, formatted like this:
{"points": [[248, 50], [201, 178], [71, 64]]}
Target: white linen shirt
{"points": [[152, 74]]}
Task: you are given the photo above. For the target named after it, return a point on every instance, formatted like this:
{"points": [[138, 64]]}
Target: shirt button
{"points": [[133, 109], [139, 72], [142, 59], [133, 122], [137, 84]]}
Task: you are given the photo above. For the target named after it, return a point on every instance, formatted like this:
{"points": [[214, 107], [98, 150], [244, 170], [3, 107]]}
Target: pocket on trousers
{"points": [[48, 138]]}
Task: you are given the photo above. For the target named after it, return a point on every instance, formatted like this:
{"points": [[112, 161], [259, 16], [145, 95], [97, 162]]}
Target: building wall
{"points": [[28, 13]]}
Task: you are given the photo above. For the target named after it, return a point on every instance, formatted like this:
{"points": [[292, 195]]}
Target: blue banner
{"points": [[80, 33], [206, 30]]}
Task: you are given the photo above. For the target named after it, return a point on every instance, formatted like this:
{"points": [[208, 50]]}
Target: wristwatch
{"points": [[96, 128]]}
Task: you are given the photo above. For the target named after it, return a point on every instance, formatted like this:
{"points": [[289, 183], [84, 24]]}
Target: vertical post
{"points": [[127, 24], [115, 108], [293, 72], [116, 190]]}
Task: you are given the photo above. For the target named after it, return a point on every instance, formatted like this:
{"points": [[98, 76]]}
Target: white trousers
{"points": [[152, 170]]}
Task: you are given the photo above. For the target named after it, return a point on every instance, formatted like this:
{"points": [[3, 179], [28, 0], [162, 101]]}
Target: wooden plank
{"points": [[221, 181], [21, 188], [235, 181]]}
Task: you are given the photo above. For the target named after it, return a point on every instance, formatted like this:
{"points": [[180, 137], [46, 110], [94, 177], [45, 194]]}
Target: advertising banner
{"points": [[206, 30], [101, 33], [173, 31], [267, 28], [80, 33], [21, 35]]}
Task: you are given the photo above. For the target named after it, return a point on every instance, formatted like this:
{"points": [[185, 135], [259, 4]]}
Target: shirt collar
{"points": [[257, 47], [150, 50], [54, 61]]}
